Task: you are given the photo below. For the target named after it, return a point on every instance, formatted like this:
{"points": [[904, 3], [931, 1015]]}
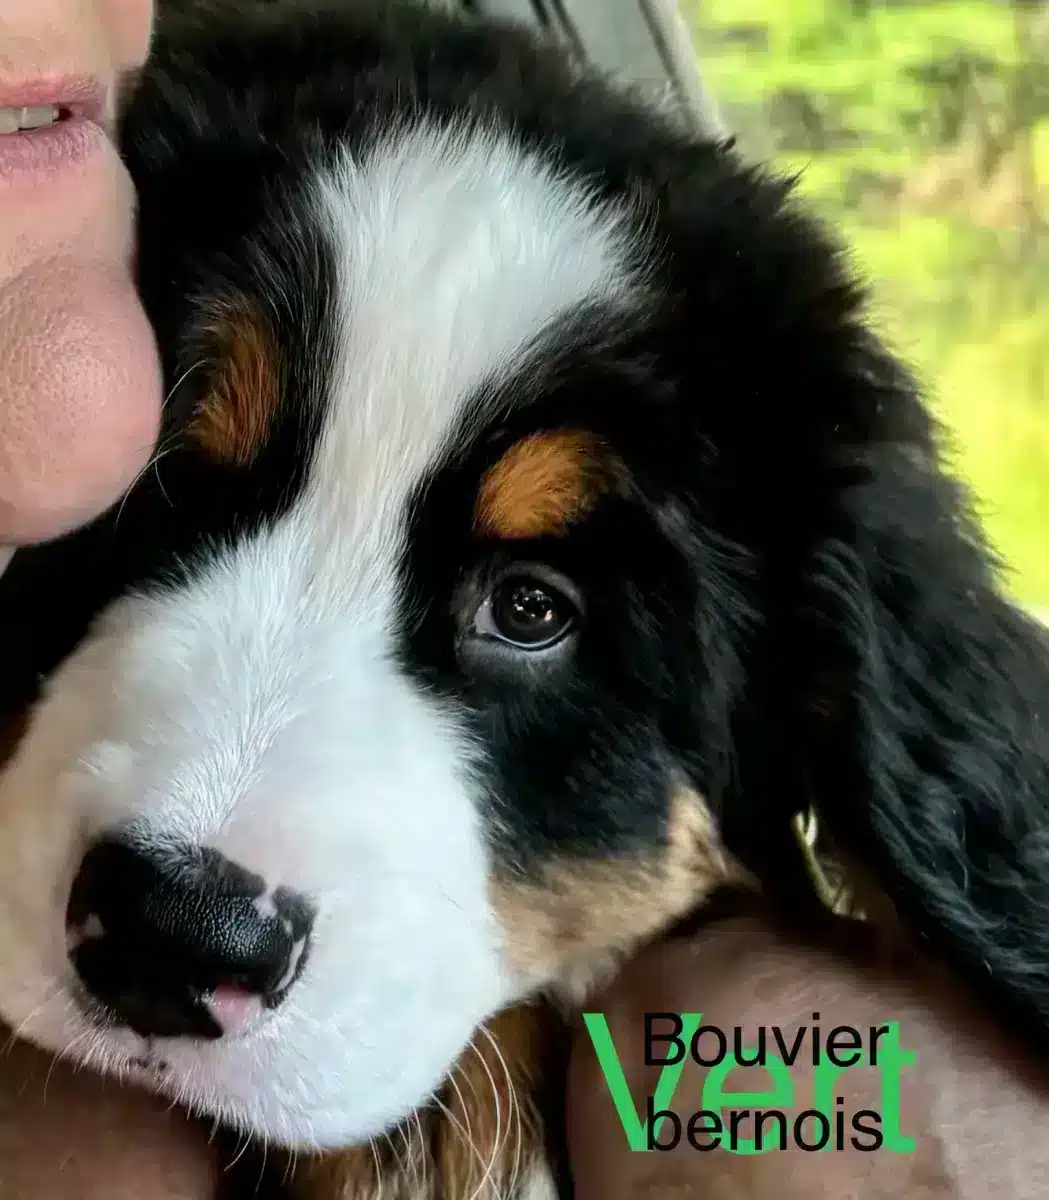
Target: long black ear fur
{"points": [[927, 740]]}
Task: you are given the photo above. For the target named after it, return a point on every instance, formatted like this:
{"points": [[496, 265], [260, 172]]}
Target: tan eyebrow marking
{"points": [[542, 484]]}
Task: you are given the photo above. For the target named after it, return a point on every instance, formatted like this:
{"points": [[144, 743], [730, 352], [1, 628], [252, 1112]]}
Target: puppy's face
{"points": [[387, 735]]}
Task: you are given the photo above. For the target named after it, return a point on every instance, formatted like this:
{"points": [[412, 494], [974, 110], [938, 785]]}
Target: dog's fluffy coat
{"points": [[442, 314]]}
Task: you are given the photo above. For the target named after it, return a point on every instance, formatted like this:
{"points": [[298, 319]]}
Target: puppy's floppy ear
{"points": [[925, 723]]}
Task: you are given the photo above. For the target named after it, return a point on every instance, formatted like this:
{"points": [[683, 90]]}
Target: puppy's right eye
{"points": [[531, 616], [526, 613]]}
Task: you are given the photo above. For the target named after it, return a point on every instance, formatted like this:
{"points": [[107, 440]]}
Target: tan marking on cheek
{"points": [[579, 911], [233, 418], [542, 484], [493, 1096], [388, 1169]]}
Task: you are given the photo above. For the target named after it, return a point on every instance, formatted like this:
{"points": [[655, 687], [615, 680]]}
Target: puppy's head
{"points": [[532, 501]]}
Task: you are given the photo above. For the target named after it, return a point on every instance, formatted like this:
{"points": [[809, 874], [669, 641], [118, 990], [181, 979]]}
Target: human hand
{"points": [[971, 1101], [70, 1135]]}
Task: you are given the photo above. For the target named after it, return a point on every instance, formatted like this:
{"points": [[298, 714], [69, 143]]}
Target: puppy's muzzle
{"points": [[181, 943]]}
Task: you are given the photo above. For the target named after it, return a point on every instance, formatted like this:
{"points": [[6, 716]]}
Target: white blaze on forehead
{"points": [[456, 250]]}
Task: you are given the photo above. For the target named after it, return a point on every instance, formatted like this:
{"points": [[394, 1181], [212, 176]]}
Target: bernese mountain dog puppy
{"points": [[538, 525]]}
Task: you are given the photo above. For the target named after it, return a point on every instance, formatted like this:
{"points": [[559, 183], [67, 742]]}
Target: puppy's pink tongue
{"points": [[234, 1008]]}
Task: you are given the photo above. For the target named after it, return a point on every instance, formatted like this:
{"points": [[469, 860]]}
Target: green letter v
{"points": [[608, 1060]]}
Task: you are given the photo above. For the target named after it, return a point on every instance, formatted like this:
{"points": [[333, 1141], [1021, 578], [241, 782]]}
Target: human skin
{"points": [[973, 1101], [79, 379], [70, 1135]]}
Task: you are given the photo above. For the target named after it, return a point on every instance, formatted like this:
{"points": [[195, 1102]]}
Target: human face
{"points": [[79, 383]]}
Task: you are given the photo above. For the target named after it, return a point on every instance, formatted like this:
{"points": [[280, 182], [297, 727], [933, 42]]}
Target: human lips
{"points": [[49, 124], [80, 94]]}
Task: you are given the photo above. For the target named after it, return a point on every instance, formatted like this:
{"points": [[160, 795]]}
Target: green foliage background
{"points": [[922, 129]]}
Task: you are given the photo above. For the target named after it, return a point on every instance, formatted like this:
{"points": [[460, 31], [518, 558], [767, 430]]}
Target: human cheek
{"points": [[129, 24]]}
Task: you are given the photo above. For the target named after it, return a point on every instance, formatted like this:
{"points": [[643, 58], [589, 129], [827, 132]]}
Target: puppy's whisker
{"points": [[464, 1136], [378, 1169], [514, 1121], [291, 1162], [421, 1160], [496, 1141], [52, 993], [244, 1141], [201, 362], [70, 1053], [151, 465]]}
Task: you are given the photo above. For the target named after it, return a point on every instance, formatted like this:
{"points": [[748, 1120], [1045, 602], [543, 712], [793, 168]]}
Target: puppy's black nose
{"points": [[156, 935]]}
